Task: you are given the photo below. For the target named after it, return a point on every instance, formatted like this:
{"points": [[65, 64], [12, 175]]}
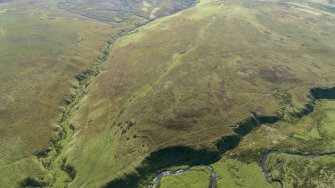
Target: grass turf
{"points": [[197, 177], [41, 49], [189, 78], [186, 79]]}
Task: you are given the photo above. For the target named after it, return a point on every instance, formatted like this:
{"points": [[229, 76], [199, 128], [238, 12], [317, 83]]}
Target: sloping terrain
{"points": [[295, 153], [44, 50], [41, 50], [305, 152], [124, 13], [104, 95], [190, 78]]}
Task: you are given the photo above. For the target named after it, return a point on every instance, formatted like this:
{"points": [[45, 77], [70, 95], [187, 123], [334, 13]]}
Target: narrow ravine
{"points": [[266, 156], [55, 162], [52, 158], [264, 159]]}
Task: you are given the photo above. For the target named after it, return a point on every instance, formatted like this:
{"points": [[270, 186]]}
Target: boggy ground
{"points": [[189, 78]]}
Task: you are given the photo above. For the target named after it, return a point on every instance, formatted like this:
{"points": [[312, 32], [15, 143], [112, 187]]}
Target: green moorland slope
{"points": [[124, 13], [229, 172], [194, 178], [294, 164], [184, 80], [190, 78], [41, 50], [313, 134], [43, 47]]}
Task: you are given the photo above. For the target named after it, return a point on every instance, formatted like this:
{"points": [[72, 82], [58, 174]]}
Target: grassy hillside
{"points": [[189, 78], [234, 173], [198, 177], [313, 134], [41, 50], [43, 47], [228, 172], [170, 88], [125, 13], [297, 171]]}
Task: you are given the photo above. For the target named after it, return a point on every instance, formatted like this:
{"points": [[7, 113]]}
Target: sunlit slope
{"points": [[41, 50], [187, 79], [198, 177], [305, 156], [43, 46], [313, 134]]}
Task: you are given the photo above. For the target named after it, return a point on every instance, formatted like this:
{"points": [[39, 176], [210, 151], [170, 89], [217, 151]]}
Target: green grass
{"points": [[129, 13], [234, 173], [197, 177], [314, 132], [42, 48], [187, 79], [298, 171], [41, 51], [229, 172], [13, 173], [311, 134]]}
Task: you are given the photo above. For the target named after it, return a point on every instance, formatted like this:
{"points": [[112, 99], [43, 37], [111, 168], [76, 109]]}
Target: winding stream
{"points": [[213, 177], [265, 157], [245, 127], [158, 178], [182, 155]]}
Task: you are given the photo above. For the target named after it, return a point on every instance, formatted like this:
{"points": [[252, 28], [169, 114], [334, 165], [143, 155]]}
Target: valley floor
{"points": [[301, 154]]}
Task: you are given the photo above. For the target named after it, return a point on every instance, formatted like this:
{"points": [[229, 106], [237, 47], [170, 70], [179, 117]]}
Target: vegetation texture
{"points": [[106, 93], [190, 78]]}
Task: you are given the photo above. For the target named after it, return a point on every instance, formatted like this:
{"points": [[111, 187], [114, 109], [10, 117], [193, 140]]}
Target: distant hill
{"points": [[120, 12]]}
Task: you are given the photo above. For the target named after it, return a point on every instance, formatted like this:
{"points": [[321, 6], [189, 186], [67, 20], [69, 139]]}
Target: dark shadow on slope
{"points": [[227, 143], [30, 182], [323, 93], [160, 159], [182, 155]]}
